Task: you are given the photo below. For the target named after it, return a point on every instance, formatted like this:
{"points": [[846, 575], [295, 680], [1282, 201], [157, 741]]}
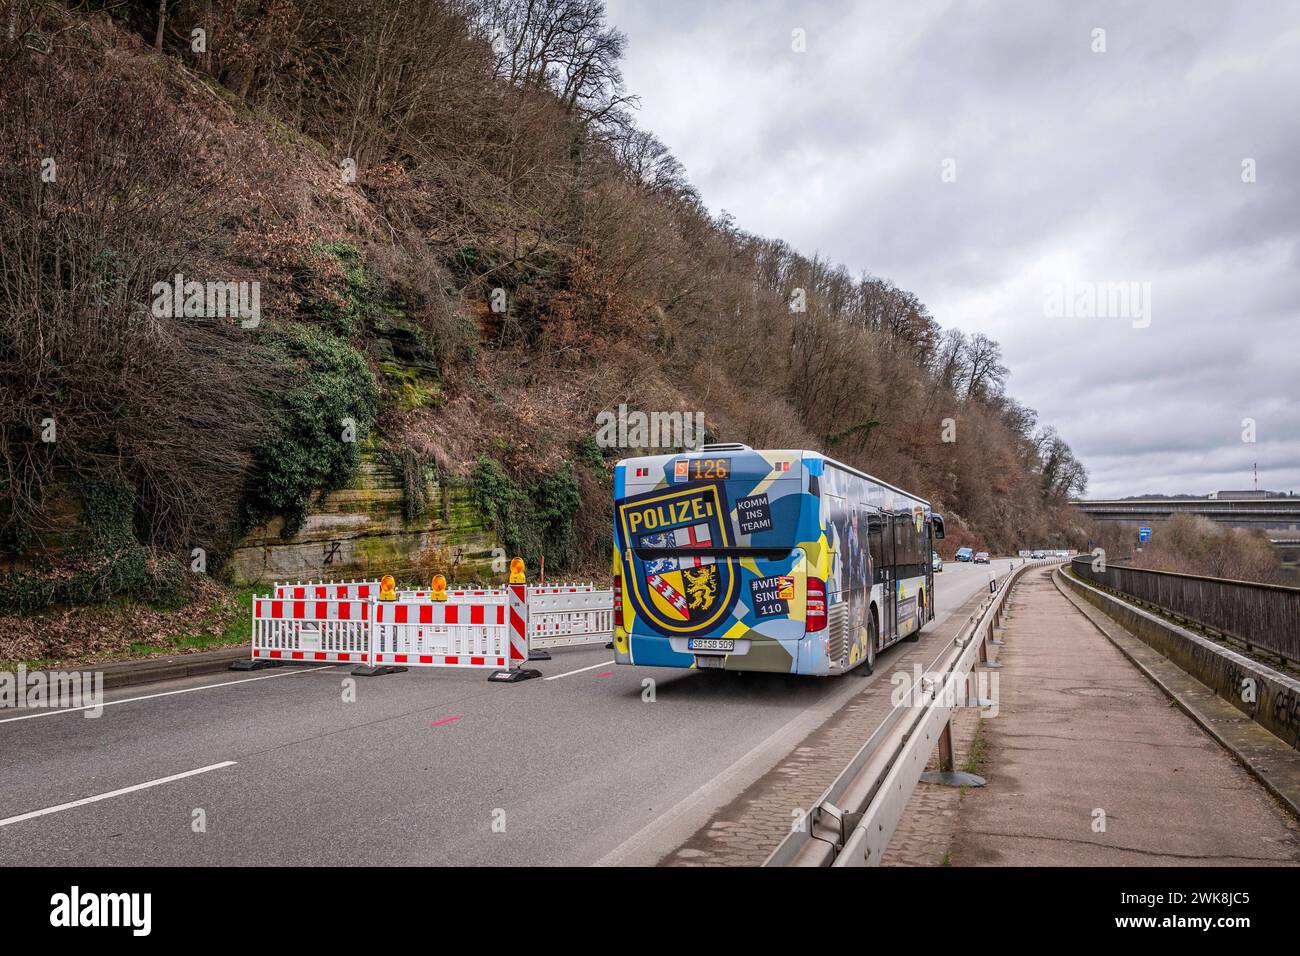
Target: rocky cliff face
{"points": [[362, 531]]}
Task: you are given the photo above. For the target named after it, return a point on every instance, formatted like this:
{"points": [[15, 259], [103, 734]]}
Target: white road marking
{"points": [[168, 693], [578, 671], [114, 793]]}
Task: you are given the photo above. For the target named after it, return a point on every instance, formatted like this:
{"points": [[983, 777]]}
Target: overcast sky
{"points": [[1071, 166]]}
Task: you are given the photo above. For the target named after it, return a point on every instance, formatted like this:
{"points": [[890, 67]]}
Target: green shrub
{"points": [[306, 453], [416, 475], [530, 522], [112, 564], [361, 293], [590, 453]]}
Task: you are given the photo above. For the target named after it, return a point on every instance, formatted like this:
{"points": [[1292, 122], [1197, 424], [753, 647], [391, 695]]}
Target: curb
{"points": [[154, 669]]}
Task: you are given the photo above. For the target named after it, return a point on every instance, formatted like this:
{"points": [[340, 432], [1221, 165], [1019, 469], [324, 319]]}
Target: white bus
{"points": [[781, 561]]}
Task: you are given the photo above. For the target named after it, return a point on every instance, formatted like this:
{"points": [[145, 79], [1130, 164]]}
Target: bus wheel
{"points": [[915, 635], [873, 632]]}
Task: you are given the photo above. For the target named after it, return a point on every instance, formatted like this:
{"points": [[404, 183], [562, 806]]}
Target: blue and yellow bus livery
{"points": [[781, 561]]}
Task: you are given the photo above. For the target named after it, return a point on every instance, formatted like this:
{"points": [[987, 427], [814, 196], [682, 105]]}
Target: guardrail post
{"points": [[985, 660], [945, 748]]}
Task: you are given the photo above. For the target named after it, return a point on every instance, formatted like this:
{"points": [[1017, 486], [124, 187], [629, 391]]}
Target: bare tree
{"points": [[96, 383], [564, 46], [985, 372]]}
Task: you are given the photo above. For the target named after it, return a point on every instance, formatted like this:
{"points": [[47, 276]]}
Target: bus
{"points": [[779, 561]]}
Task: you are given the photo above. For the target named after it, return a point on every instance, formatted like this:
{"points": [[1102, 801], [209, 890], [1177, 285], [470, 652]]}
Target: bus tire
{"points": [[873, 635]]}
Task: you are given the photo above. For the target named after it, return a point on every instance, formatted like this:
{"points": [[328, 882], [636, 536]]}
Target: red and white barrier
{"points": [[311, 630], [475, 627], [416, 632], [518, 623], [339, 590], [569, 615]]}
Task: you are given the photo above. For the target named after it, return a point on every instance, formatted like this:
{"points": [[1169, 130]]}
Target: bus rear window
{"points": [[720, 517]]}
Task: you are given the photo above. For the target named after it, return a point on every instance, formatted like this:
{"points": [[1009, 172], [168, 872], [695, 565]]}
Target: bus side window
{"points": [[900, 543], [875, 529], [888, 555], [867, 545], [907, 547]]}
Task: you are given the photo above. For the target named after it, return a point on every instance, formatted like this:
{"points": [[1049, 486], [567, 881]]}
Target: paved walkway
{"points": [[1089, 764]]}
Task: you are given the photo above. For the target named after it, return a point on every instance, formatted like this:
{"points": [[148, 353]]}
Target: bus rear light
{"points": [[618, 600], [816, 619]]}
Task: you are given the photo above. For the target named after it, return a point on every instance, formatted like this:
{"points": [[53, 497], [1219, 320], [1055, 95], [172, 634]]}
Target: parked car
{"points": [[982, 557], [936, 562], [965, 554]]}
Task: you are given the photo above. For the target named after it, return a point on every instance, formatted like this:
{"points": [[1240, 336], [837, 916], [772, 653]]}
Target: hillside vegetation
{"points": [[1191, 544], [465, 249]]}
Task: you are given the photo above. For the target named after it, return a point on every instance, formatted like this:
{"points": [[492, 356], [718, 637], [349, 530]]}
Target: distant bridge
{"points": [[1271, 514], [1278, 517]]}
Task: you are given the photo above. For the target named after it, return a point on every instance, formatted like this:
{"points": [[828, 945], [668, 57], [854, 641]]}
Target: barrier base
{"points": [[513, 677], [539, 655], [950, 778], [254, 665], [370, 670]]}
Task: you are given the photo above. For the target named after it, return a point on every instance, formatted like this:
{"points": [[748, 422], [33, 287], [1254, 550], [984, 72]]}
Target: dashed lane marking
{"points": [[578, 671], [114, 793], [167, 693]]}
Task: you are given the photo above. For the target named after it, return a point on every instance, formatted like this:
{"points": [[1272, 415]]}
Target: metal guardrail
{"points": [[1261, 616], [853, 820]]}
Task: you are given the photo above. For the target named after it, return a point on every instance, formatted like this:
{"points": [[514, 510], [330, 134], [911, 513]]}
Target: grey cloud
{"points": [[1100, 167]]}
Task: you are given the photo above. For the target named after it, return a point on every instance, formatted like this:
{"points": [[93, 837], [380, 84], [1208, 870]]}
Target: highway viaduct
{"points": [[1277, 516]]}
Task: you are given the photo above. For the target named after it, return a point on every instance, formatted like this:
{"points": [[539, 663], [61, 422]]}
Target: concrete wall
{"points": [[1276, 704]]}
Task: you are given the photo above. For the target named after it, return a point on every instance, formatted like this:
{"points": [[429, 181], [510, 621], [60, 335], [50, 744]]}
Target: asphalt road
{"points": [[425, 767]]}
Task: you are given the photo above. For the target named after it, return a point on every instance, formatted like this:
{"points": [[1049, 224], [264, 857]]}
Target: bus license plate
{"points": [[711, 644]]}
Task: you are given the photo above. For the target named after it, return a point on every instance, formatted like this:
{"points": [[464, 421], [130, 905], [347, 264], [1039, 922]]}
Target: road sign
{"points": [[1144, 534]]}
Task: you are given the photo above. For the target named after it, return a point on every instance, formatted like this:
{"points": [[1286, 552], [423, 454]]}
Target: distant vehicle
{"points": [[783, 561], [982, 557], [936, 562], [964, 554], [1036, 555]]}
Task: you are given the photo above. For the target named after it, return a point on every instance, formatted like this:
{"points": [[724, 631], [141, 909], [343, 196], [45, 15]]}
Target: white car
{"points": [[936, 562]]}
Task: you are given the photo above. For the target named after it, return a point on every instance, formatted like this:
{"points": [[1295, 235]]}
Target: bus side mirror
{"points": [[936, 522]]}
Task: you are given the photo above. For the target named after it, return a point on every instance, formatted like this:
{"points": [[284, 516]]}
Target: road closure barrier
{"points": [[417, 632], [569, 615], [387, 630], [310, 630]]}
